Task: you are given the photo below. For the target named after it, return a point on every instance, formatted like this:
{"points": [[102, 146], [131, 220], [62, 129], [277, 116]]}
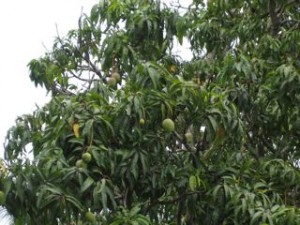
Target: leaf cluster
{"points": [[233, 157]]}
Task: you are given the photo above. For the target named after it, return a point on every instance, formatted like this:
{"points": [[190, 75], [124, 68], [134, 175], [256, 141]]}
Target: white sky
{"points": [[25, 27]]}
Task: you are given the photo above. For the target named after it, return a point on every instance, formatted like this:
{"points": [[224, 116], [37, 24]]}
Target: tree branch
{"points": [[274, 17]]}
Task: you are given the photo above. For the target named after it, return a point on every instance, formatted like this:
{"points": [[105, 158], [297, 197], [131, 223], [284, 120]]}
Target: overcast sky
{"points": [[25, 26]]}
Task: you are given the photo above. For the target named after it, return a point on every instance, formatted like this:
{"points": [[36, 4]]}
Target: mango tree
{"points": [[138, 132]]}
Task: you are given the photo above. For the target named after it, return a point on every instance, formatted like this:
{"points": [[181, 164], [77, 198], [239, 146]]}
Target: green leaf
{"points": [[74, 201], [87, 184], [88, 127], [154, 75]]}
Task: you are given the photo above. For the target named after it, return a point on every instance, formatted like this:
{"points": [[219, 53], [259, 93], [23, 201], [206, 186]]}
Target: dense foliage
{"points": [[102, 152]]}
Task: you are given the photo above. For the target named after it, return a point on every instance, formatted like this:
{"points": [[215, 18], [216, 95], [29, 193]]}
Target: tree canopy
{"points": [[137, 133]]}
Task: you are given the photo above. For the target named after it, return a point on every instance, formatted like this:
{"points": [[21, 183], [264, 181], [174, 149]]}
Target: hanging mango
{"points": [[75, 127]]}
